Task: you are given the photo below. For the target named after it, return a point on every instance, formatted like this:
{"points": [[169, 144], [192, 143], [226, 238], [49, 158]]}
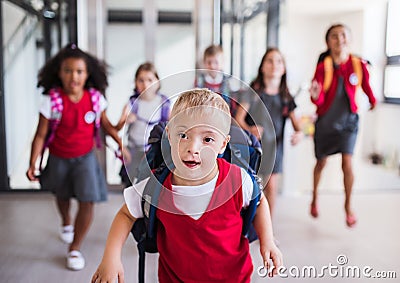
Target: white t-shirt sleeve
{"points": [[133, 198], [45, 107], [247, 187], [103, 103]]}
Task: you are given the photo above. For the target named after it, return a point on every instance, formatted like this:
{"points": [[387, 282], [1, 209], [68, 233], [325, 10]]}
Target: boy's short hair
{"points": [[212, 50], [191, 100]]}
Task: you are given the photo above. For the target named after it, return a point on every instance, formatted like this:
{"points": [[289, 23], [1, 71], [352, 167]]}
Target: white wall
{"points": [[22, 100]]}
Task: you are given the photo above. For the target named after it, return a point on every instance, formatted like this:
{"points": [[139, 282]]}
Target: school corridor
{"points": [[173, 35]]}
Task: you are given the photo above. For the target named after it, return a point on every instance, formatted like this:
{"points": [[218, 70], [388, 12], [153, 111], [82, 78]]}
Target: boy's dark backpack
{"points": [[243, 150]]}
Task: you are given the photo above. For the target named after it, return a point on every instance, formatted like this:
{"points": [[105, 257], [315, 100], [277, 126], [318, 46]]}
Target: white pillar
{"points": [[203, 19], [92, 18], [150, 21]]}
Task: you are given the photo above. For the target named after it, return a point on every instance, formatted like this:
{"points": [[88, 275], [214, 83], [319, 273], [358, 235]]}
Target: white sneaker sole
{"points": [[75, 260]]}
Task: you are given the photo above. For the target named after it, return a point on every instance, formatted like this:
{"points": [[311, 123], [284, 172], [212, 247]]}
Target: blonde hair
{"points": [[190, 99]]}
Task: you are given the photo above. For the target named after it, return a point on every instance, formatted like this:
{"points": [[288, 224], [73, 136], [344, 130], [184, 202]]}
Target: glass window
{"points": [[391, 86], [392, 33]]}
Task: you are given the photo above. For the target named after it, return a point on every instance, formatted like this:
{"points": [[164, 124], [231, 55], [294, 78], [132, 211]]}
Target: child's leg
{"points": [[348, 180], [83, 221], [63, 207], [319, 166]]}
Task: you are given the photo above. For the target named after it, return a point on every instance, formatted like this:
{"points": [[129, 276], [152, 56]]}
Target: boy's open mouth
{"points": [[191, 163]]}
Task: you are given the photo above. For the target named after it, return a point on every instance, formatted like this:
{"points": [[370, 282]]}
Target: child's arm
{"points": [[263, 226], [123, 118], [111, 267], [37, 146], [111, 131], [240, 118], [298, 134]]}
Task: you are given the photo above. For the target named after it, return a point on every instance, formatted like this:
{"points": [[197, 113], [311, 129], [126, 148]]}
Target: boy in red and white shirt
{"points": [[199, 231]]}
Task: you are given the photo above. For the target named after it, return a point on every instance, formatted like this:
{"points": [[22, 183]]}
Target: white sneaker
{"points": [[75, 260], [67, 234]]}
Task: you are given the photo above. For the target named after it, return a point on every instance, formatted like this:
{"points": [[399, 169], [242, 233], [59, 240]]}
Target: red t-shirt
{"points": [[74, 135], [211, 248]]}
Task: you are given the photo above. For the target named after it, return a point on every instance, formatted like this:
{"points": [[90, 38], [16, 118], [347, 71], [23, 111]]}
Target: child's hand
{"points": [[372, 107], [296, 137], [271, 252], [131, 118], [31, 174], [315, 89], [126, 155], [108, 272]]}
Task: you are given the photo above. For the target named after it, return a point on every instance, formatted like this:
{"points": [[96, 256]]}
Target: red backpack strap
{"points": [[95, 98]]}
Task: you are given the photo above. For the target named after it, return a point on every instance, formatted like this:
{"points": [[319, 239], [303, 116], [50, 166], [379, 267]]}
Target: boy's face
{"points": [[196, 140], [214, 63]]}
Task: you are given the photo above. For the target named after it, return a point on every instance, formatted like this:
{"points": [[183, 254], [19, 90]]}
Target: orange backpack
{"points": [[328, 67]]}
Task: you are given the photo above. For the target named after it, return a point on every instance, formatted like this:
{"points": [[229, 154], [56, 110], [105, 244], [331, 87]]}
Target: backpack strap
{"points": [[95, 98], [200, 79], [165, 106], [56, 108], [144, 229], [132, 99], [328, 71], [151, 195], [249, 212], [357, 69]]}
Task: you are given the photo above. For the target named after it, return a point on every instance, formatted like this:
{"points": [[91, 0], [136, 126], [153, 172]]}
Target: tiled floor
{"points": [[31, 251]]}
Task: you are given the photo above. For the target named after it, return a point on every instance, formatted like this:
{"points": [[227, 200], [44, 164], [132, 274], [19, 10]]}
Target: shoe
{"points": [[314, 210], [67, 234], [75, 260], [351, 220]]}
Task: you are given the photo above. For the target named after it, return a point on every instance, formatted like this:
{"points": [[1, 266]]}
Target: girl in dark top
{"points": [[271, 87]]}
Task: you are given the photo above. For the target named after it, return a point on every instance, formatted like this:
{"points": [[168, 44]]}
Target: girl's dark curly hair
{"points": [[97, 70], [258, 83]]}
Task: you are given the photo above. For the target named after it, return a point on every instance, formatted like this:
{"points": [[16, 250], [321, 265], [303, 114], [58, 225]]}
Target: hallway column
{"points": [[206, 19], [91, 22], [150, 21], [4, 179]]}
